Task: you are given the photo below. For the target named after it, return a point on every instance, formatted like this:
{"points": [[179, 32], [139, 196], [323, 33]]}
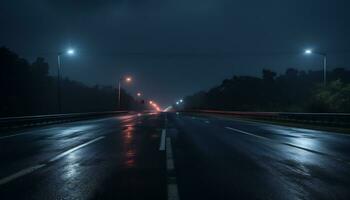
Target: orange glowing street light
{"points": [[154, 105], [128, 79]]}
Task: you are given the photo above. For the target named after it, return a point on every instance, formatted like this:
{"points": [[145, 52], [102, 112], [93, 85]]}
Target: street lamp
{"points": [[324, 55], [69, 52], [308, 51], [127, 79], [139, 94]]}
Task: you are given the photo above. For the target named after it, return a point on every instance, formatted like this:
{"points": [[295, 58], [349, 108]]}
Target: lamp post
{"points": [[59, 102], [127, 79], [324, 55]]}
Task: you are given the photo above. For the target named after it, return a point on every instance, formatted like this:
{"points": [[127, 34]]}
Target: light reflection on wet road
{"points": [[258, 161], [128, 146], [119, 158]]}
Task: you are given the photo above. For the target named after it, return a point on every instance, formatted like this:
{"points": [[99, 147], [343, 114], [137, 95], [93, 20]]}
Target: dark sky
{"points": [[176, 47]]}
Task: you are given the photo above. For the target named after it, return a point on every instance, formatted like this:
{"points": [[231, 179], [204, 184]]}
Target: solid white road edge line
{"points": [[292, 145], [29, 170], [282, 126], [20, 173]]}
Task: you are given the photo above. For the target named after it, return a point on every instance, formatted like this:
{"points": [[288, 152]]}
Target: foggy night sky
{"points": [[173, 48]]}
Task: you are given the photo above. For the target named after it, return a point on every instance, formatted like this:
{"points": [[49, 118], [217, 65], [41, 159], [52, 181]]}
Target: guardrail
{"points": [[26, 121], [325, 119]]}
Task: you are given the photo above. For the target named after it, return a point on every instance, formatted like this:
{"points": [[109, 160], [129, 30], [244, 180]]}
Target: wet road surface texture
{"points": [[173, 156]]}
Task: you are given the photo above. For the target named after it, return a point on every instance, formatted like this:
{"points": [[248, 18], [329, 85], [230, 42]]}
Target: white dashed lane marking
{"points": [[162, 141]]}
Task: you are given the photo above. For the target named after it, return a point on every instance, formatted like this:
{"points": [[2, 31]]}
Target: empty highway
{"points": [[173, 156]]}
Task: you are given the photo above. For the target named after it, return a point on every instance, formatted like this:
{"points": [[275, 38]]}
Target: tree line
{"points": [[292, 91], [28, 89]]}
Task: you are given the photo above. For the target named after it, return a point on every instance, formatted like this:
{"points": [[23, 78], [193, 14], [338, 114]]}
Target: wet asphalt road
{"points": [[173, 156]]}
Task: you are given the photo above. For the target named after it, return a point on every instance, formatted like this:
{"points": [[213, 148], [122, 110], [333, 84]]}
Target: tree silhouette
{"points": [[296, 91], [27, 89]]}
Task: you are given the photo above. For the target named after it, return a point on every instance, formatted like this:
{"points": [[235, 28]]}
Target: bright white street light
{"points": [[70, 51], [308, 51], [181, 100], [324, 55], [177, 103]]}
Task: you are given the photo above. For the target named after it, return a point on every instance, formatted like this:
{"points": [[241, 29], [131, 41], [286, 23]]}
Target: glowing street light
{"points": [[69, 52], [324, 55], [308, 51], [127, 79], [139, 94], [154, 105]]}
